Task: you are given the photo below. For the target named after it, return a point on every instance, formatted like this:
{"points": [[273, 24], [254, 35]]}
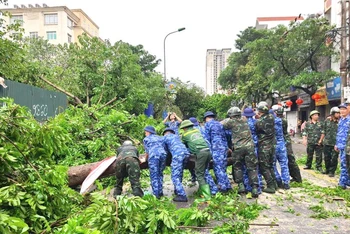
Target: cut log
{"points": [[77, 174]]}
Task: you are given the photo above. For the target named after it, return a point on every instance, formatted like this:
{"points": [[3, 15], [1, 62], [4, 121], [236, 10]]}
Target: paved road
{"points": [[289, 209]]}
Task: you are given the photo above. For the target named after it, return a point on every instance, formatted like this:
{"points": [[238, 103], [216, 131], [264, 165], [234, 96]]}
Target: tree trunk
{"points": [[77, 174], [312, 104]]}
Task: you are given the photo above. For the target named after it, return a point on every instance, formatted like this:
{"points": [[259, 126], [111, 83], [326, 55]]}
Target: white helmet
{"points": [[334, 110], [127, 143]]}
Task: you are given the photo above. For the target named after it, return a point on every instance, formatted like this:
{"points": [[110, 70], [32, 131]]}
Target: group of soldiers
{"points": [[331, 139], [256, 141]]}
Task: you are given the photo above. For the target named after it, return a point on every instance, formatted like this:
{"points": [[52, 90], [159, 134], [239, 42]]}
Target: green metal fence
{"points": [[42, 103]]}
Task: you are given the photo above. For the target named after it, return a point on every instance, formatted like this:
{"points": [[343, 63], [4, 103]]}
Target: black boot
{"points": [[280, 184], [179, 198], [117, 191], [137, 192]]}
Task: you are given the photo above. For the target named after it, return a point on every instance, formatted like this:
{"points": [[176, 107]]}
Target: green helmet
{"points": [[334, 110], [278, 109], [185, 124], [234, 111], [263, 107], [313, 113]]}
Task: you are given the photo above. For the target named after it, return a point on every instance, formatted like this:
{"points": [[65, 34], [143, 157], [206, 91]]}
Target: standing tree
{"points": [[293, 56], [232, 77]]}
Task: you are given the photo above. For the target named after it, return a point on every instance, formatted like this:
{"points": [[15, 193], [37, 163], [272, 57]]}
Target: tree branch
{"points": [[76, 99], [107, 103], [280, 60], [306, 90], [103, 85], [25, 157]]}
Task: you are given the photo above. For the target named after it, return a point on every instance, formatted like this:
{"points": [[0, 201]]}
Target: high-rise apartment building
{"points": [[216, 62], [57, 24]]}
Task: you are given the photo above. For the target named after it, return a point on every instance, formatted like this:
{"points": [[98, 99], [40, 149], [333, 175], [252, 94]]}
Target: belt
{"points": [[205, 149]]}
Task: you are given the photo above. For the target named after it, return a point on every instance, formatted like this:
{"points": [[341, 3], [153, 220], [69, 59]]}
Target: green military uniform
{"points": [[194, 140], [265, 128], [330, 128], [294, 170], [313, 132], [244, 153], [128, 165]]}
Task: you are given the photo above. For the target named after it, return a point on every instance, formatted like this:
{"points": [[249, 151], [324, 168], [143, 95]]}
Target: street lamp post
{"points": [[179, 30]]}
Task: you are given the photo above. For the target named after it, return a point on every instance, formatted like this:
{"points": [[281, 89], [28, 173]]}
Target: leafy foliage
{"points": [[279, 58]]}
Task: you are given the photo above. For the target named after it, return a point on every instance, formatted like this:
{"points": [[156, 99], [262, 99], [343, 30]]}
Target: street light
{"points": [[179, 30]]}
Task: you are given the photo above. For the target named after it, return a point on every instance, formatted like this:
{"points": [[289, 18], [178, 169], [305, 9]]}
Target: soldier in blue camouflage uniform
{"points": [[342, 133], [329, 139], [312, 138], [209, 179], [243, 153], [265, 129], [280, 153], [293, 167], [174, 145], [156, 156], [249, 113], [128, 165], [215, 135]]}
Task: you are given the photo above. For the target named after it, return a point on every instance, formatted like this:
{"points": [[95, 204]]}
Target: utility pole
{"points": [[343, 48]]}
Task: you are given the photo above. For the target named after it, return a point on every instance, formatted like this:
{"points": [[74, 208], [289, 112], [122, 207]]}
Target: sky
{"points": [[209, 25]]}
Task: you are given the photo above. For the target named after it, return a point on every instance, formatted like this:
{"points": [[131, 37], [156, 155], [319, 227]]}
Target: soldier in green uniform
{"points": [[194, 140], [330, 128], [265, 128], [128, 165], [294, 170], [312, 138], [244, 152]]}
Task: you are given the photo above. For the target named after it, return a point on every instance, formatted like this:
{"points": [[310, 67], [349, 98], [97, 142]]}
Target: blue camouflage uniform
{"points": [[215, 135], [343, 128], [179, 152], [251, 122], [153, 145], [281, 153], [174, 125]]}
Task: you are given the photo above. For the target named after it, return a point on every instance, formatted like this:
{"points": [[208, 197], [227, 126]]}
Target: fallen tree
{"points": [[77, 174]]}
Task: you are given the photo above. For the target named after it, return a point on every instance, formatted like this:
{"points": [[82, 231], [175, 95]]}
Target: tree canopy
{"points": [[280, 58]]}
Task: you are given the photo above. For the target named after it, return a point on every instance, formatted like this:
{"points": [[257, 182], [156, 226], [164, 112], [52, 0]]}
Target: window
{"points": [[69, 38], [51, 19], [51, 35], [33, 35], [70, 23], [17, 19]]}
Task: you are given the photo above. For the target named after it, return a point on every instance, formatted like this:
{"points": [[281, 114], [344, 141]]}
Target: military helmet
{"points": [[234, 111], [127, 143], [185, 124], [263, 107], [334, 110], [313, 113], [278, 109]]}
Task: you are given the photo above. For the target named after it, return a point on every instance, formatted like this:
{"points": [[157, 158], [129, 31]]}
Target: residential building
{"points": [[271, 22], [216, 61], [58, 24]]}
